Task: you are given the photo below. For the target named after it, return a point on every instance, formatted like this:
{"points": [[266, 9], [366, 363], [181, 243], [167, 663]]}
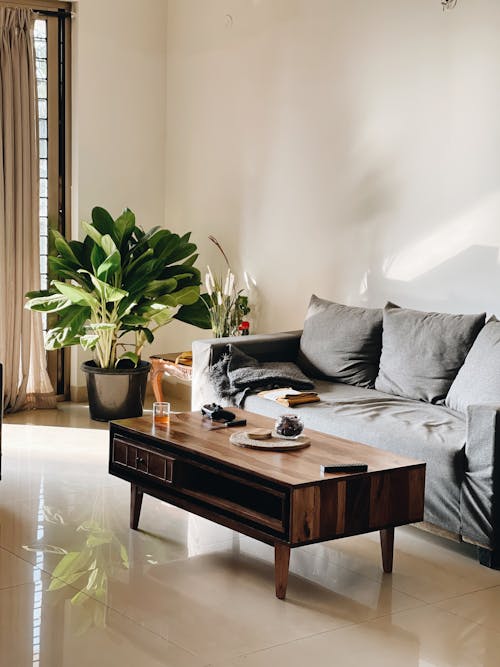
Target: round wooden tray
{"points": [[274, 443]]}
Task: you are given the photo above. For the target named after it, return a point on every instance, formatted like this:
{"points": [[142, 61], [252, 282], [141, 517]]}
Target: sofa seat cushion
{"points": [[422, 431], [341, 343], [423, 352]]}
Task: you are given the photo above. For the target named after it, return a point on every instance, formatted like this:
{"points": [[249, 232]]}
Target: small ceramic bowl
{"points": [[289, 426]]}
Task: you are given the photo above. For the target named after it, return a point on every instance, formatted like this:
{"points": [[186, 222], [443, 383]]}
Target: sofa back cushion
{"points": [[341, 343], [478, 381], [423, 352]]}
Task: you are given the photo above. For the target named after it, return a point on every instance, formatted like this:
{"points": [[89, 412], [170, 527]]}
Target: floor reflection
{"points": [[184, 592]]}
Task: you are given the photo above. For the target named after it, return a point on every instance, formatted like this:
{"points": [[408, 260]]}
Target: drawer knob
{"points": [[139, 459]]}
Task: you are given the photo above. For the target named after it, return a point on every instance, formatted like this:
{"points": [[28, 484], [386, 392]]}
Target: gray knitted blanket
{"points": [[236, 374]]}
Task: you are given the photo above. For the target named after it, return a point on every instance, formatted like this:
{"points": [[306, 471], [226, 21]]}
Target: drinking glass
{"points": [[161, 414]]}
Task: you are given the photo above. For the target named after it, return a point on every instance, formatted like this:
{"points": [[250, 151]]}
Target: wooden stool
{"points": [[165, 363]]}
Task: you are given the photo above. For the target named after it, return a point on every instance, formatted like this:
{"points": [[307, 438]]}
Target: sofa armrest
{"points": [[480, 494], [265, 347]]}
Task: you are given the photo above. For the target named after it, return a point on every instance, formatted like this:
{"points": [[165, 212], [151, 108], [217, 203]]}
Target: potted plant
{"points": [[119, 280]]}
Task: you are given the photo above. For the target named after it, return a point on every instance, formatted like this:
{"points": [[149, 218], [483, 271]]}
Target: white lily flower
{"points": [[219, 298], [211, 277], [227, 282], [208, 284]]}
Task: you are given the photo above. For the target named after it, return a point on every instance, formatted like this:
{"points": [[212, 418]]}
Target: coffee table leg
{"points": [[135, 505], [387, 545], [281, 562]]}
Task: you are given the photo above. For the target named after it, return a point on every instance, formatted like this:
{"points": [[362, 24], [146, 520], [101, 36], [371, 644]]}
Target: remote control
{"points": [[344, 467]]}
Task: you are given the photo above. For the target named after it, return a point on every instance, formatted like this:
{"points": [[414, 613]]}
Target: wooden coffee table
{"points": [[280, 498]]}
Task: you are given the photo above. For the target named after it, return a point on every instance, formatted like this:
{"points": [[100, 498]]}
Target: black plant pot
{"points": [[116, 393]]}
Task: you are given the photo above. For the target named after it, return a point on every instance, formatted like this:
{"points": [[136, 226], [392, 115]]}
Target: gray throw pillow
{"points": [[423, 352], [341, 343], [478, 381]]}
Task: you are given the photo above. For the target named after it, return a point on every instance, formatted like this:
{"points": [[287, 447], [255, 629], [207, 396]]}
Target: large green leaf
{"points": [[48, 304], [91, 231], [88, 341], [68, 329], [110, 266], [138, 261], [97, 257], [103, 222], [148, 334], [164, 244], [124, 226], [106, 292], [100, 326], [182, 297], [63, 248], [197, 314], [108, 245], [187, 296], [34, 294], [163, 315], [77, 295], [188, 275], [126, 306], [149, 269], [78, 250], [131, 356], [157, 287], [181, 253], [59, 269], [191, 261], [135, 320]]}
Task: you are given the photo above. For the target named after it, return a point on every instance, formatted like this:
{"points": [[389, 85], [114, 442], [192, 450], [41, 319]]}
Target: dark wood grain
{"points": [[188, 431], [136, 494], [305, 522], [281, 565], [387, 546]]}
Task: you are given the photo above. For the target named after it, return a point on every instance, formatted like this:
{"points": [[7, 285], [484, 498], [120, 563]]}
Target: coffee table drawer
{"points": [[151, 464], [221, 490]]}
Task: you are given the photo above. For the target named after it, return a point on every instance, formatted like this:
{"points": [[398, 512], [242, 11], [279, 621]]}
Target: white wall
{"points": [[119, 97], [345, 147]]}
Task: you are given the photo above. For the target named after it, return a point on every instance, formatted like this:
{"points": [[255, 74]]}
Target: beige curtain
{"points": [[26, 383]]}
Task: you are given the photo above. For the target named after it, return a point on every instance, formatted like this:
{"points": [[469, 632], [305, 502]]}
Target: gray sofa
{"points": [[461, 448]]}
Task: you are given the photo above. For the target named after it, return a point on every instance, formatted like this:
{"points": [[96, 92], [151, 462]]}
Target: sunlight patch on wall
{"points": [[478, 226]]}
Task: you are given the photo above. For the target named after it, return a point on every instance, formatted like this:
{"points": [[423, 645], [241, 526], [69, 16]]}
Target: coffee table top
{"points": [[188, 431]]}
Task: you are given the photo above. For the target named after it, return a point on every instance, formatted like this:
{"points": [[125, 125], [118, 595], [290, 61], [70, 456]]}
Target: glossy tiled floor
{"points": [[78, 588]]}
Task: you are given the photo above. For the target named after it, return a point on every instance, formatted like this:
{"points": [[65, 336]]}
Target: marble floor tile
{"points": [[223, 603], [65, 628], [481, 607], [423, 637], [426, 566], [185, 591], [13, 570]]}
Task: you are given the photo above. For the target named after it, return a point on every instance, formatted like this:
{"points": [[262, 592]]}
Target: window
{"points": [[51, 37], [52, 51], [41, 85]]}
